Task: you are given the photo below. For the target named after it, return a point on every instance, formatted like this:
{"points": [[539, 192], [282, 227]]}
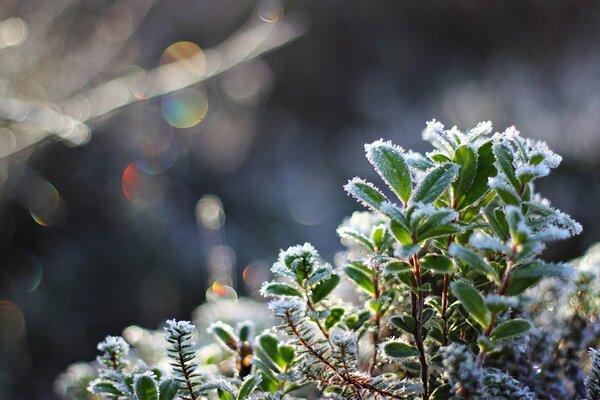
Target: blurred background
{"points": [[154, 153]]}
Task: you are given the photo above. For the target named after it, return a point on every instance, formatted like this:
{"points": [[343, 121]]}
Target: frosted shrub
{"points": [[450, 296]]}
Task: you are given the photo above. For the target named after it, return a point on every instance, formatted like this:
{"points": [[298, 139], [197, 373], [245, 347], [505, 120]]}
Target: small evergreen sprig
{"points": [[181, 351], [592, 383]]}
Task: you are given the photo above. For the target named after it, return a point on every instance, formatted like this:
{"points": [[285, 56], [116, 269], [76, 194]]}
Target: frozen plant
{"points": [[441, 268]]}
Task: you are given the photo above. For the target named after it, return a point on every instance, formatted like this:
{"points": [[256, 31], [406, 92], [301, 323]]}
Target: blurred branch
{"points": [[70, 119]]}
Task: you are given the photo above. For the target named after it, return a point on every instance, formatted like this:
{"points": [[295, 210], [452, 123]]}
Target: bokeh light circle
{"points": [[45, 204], [185, 109], [12, 323], [209, 212], [270, 11]]}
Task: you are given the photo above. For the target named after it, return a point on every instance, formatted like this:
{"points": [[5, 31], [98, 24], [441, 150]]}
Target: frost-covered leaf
{"points": [[324, 288], [105, 387], [514, 327], [504, 161], [435, 183], [391, 166], [505, 190], [145, 387], [355, 236], [434, 133], [484, 241], [366, 193], [224, 334], [271, 289], [397, 350], [472, 301], [435, 219], [473, 260]]}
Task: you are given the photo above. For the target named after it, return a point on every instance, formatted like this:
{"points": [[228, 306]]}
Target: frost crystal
{"points": [[462, 372], [592, 383], [296, 261]]}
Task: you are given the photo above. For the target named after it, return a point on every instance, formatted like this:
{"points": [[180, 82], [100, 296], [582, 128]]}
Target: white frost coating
{"points": [[114, 344], [483, 241], [552, 233], [353, 191], [501, 182], [381, 143], [305, 251], [345, 339], [288, 307], [483, 128], [493, 299], [361, 221], [321, 274], [440, 185], [149, 374], [435, 134], [179, 327]]}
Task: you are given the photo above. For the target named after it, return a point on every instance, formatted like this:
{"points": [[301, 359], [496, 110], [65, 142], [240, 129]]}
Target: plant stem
{"points": [[501, 290], [418, 326], [184, 369], [377, 322]]}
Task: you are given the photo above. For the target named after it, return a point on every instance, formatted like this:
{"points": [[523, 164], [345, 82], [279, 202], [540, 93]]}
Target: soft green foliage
{"points": [[439, 282]]}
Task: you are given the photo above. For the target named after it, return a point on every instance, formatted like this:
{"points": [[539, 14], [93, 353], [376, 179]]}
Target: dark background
{"points": [[364, 70]]}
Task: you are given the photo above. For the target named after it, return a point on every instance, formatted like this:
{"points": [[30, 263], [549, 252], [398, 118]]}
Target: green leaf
{"points": [[442, 392], [479, 187], [529, 275], [497, 220], [168, 389], [504, 159], [245, 329], [280, 289], [355, 236], [466, 157], [435, 183], [400, 232], [334, 317], [268, 343], [474, 260], [395, 349], [405, 322], [366, 193], [439, 231], [398, 266], [145, 387], [104, 387], [515, 327], [224, 334], [248, 386], [324, 288], [472, 302], [434, 220], [287, 352], [360, 277], [437, 263], [391, 166]]}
